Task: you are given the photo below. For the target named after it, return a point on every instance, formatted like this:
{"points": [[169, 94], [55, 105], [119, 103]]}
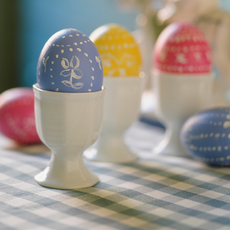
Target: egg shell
{"points": [[70, 62], [206, 136], [119, 51], [182, 48], [17, 120]]}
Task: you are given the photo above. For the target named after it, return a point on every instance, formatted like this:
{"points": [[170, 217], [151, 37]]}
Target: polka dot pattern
{"points": [[206, 136], [119, 51], [182, 48], [67, 63]]}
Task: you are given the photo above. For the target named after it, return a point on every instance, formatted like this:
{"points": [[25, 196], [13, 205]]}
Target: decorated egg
{"points": [[17, 120], [182, 48], [119, 51], [70, 62], [206, 136]]}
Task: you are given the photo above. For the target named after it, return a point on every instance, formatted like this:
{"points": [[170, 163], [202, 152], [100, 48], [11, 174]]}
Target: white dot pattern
{"points": [[71, 46], [212, 147]]}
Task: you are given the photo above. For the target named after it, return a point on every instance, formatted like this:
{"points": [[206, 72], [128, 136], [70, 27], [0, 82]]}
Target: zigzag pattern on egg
{"points": [[119, 51]]}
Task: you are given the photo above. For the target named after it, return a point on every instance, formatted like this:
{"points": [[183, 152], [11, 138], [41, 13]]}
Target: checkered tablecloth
{"points": [[153, 193]]}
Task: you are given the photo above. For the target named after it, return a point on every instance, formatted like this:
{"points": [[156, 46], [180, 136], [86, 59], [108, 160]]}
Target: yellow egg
{"points": [[119, 51]]}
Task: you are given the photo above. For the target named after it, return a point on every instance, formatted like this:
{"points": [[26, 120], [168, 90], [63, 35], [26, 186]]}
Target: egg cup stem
{"points": [[171, 142], [112, 148], [66, 172]]}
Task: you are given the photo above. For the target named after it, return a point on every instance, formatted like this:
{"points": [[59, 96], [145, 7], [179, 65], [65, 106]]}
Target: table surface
{"points": [[154, 192]]}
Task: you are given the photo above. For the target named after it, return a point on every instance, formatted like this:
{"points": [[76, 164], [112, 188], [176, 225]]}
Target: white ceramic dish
{"points": [[121, 109], [68, 123]]}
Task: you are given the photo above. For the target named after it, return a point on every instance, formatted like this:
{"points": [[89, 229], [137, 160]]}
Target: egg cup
{"points": [[121, 109], [177, 98], [67, 123]]}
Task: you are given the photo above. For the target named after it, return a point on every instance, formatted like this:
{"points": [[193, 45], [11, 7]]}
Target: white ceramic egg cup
{"points": [[177, 98], [68, 123], [121, 109]]}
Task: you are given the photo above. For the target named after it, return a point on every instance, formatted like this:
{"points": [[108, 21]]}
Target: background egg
{"points": [[182, 48], [69, 62], [119, 51], [206, 136], [17, 120]]}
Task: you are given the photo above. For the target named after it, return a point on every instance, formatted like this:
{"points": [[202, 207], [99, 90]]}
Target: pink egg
{"points": [[17, 120], [182, 49]]}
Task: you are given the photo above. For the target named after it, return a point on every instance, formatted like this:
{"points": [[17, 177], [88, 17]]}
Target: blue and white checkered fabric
{"points": [[153, 193]]}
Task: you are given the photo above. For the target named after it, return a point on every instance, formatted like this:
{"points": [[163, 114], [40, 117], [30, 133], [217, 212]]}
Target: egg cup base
{"points": [[58, 175], [171, 146], [111, 149]]}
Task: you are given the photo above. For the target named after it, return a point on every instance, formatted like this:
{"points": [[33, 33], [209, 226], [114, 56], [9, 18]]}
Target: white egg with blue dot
{"points": [[206, 136], [70, 62]]}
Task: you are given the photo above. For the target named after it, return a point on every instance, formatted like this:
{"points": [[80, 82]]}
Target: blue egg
{"points": [[70, 62], [206, 136]]}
